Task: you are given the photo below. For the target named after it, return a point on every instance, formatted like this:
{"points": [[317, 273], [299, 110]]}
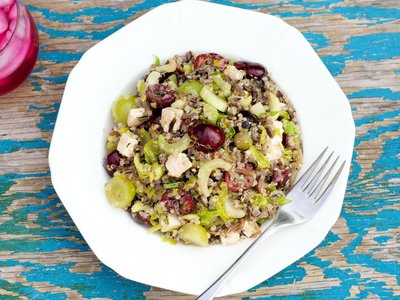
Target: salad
{"points": [[205, 151]]}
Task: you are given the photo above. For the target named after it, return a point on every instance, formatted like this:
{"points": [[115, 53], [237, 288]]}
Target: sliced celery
{"points": [[225, 205], [211, 113], [176, 147], [246, 101], [167, 68], [151, 152], [194, 234], [224, 86], [209, 97], [205, 171], [120, 191], [192, 87], [121, 108], [258, 110], [274, 103]]}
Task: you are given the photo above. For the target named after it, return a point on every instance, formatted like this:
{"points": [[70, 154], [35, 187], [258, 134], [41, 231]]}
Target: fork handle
{"points": [[283, 219]]}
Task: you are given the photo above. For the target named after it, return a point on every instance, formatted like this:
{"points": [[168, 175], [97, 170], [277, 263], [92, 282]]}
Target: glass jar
{"points": [[19, 44]]}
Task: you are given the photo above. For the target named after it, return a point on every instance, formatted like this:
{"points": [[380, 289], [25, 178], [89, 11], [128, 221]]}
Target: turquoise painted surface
{"points": [[364, 209]]}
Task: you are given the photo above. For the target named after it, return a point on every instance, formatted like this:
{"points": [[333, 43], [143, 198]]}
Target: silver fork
{"points": [[307, 195]]}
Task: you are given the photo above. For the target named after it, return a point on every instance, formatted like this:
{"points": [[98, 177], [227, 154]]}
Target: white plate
{"points": [[111, 68]]}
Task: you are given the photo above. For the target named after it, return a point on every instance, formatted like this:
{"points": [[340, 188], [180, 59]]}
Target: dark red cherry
{"points": [[179, 205], [252, 69], [111, 162], [207, 137], [212, 59], [161, 95]]}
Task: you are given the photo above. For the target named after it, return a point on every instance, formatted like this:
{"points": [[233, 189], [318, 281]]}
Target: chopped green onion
{"points": [[157, 60], [172, 185]]}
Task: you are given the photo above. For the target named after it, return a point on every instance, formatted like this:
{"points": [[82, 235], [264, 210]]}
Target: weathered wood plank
{"points": [[42, 254]]}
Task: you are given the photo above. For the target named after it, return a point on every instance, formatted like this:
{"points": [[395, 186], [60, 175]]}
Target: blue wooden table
{"points": [[43, 255]]}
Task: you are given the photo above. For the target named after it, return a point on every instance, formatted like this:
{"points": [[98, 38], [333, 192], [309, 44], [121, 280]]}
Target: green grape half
{"points": [[120, 192]]}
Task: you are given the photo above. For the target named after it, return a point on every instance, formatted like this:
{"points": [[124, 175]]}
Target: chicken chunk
{"points": [[231, 238], [127, 143], [135, 116], [177, 164], [272, 147], [233, 73], [171, 115], [251, 229]]}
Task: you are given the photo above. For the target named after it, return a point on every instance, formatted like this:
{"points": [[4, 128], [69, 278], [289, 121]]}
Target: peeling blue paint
{"points": [[48, 117], [374, 15], [377, 118], [317, 40], [384, 93], [361, 212], [8, 146]]}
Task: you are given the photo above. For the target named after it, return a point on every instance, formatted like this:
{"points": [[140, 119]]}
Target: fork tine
{"points": [[317, 175], [304, 178], [321, 183], [330, 186]]}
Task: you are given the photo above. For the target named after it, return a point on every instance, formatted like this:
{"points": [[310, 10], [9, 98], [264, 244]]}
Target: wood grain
{"points": [[43, 255]]}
